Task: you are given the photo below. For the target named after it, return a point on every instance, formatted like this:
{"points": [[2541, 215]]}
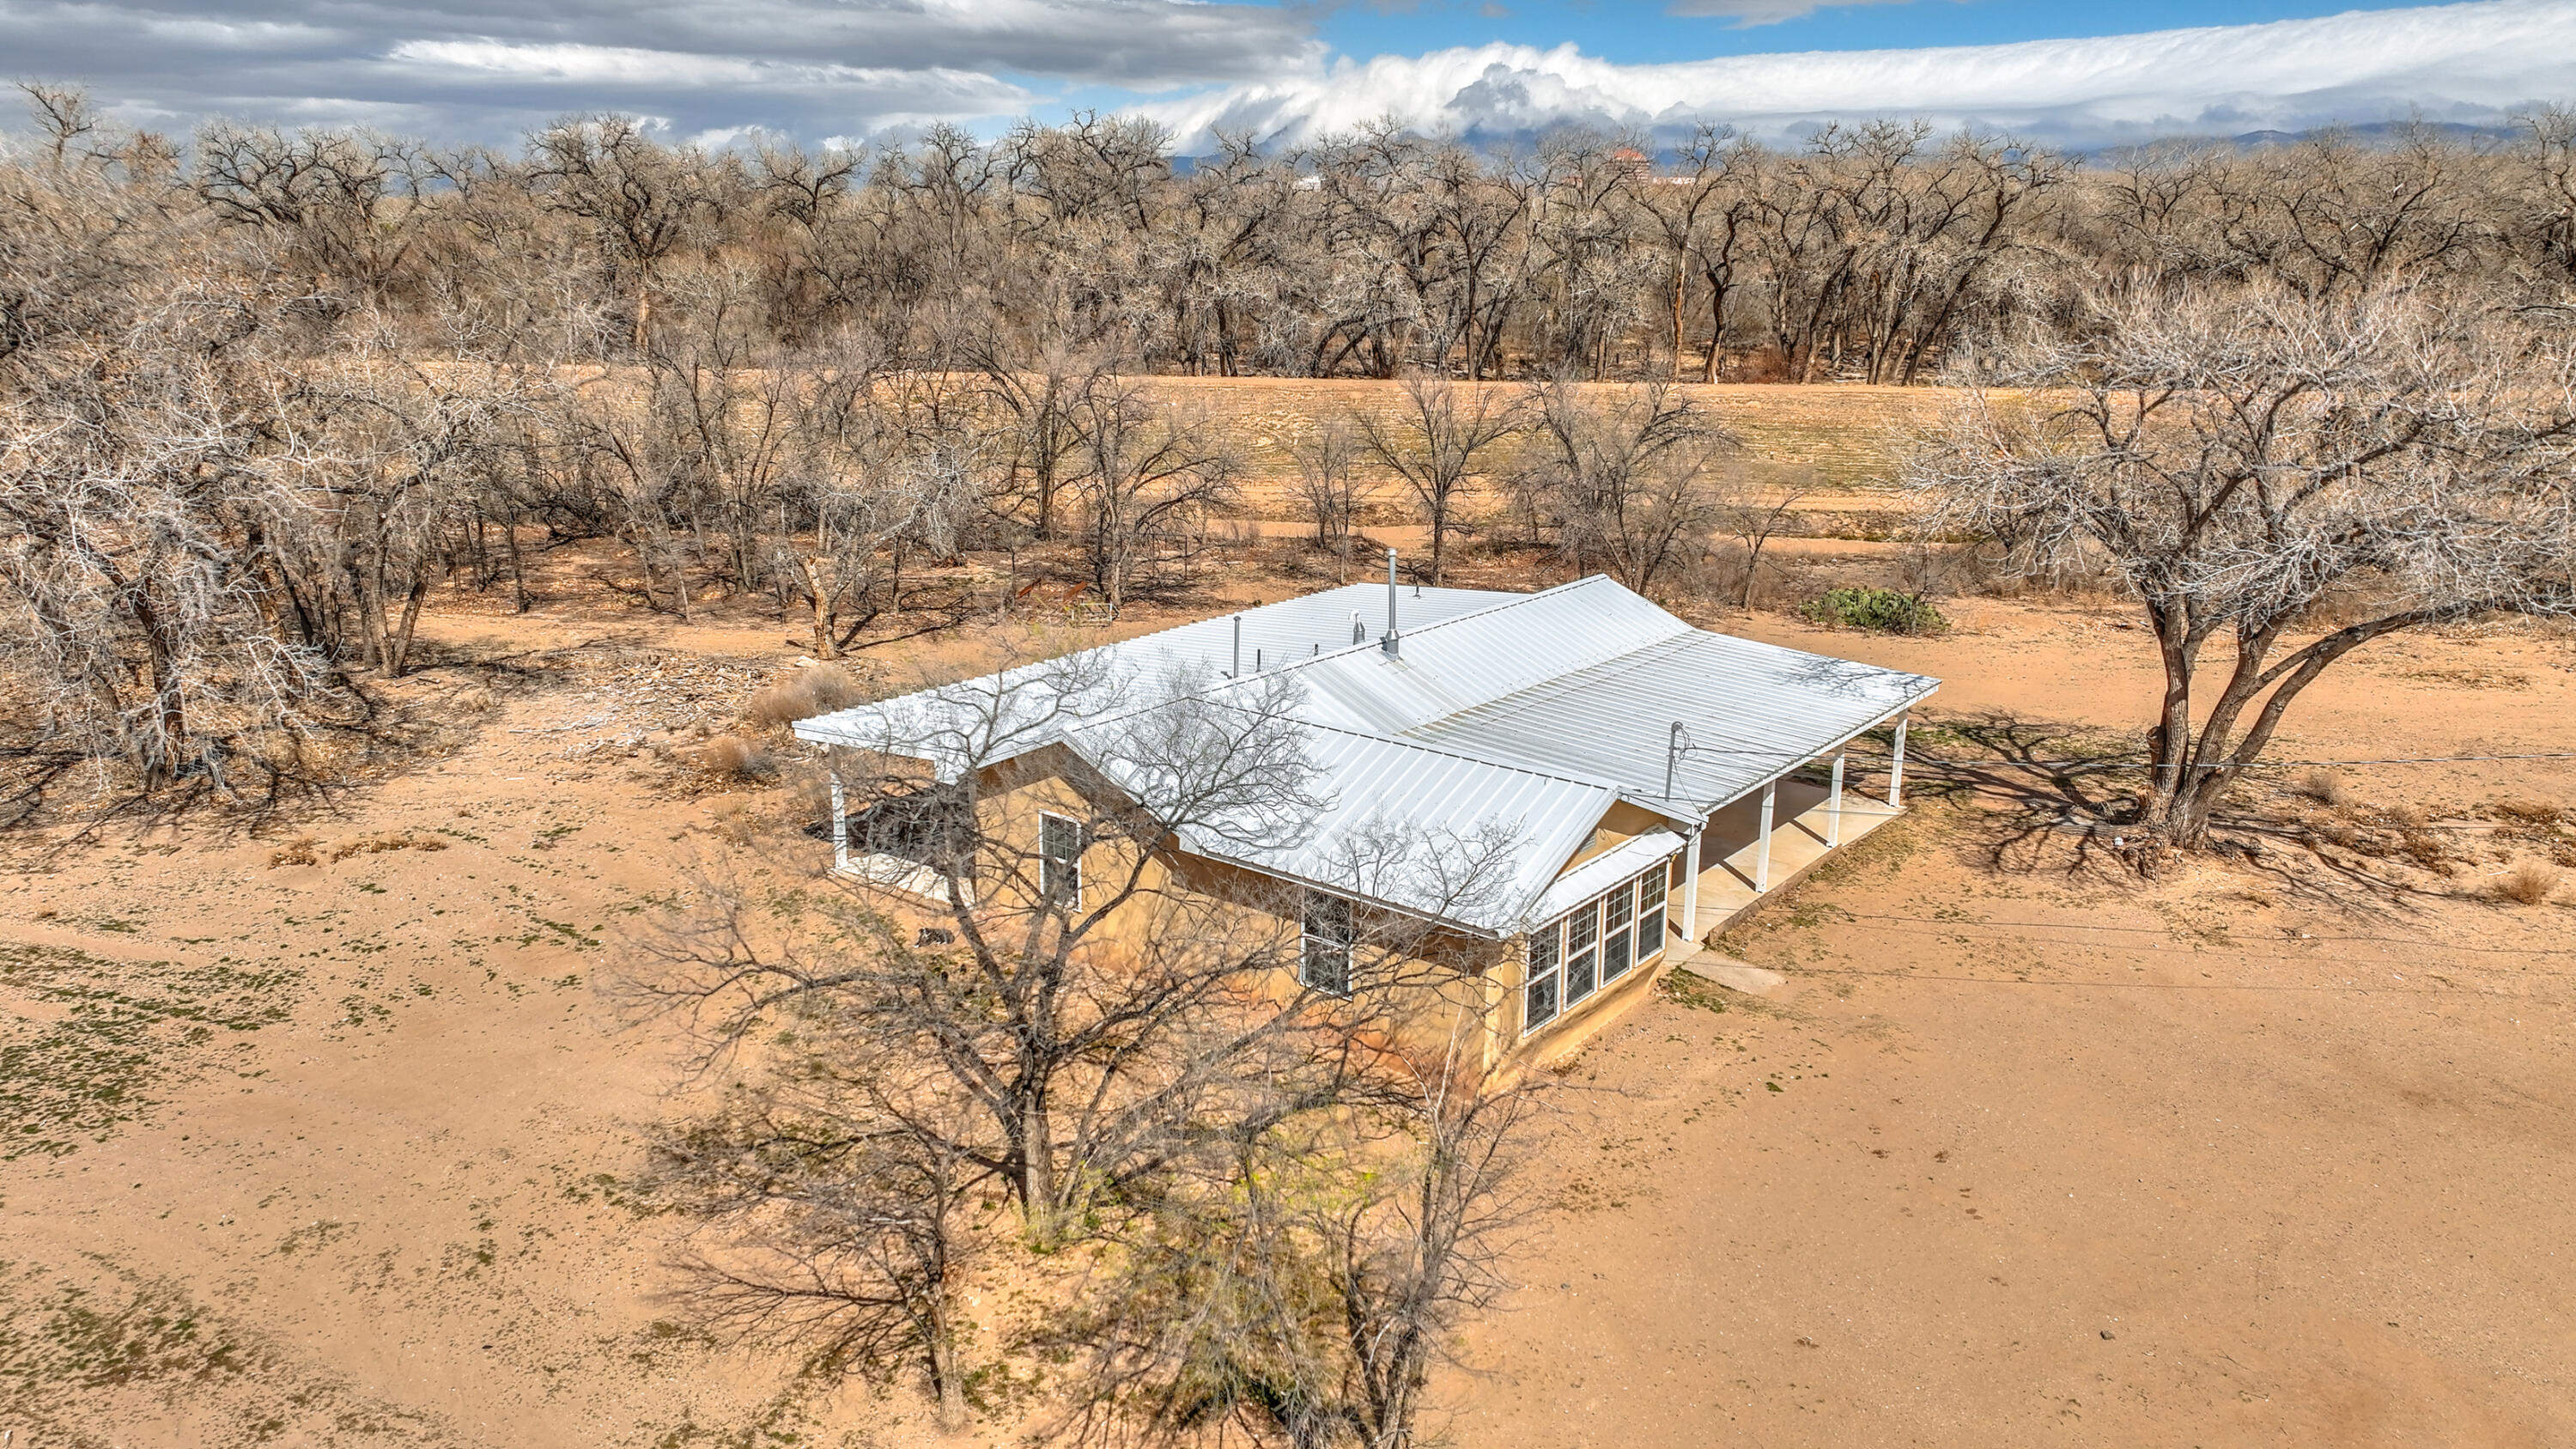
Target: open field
{"points": [[1841, 443], [321, 1135]]}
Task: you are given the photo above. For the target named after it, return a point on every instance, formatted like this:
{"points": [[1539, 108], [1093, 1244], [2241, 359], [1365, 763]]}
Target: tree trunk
{"points": [[820, 592], [400, 643], [947, 1376]]}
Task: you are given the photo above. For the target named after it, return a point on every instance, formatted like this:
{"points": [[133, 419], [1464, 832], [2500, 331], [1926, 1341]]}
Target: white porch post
{"points": [[1896, 770], [1834, 808], [1762, 844], [840, 825], [1690, 886]]}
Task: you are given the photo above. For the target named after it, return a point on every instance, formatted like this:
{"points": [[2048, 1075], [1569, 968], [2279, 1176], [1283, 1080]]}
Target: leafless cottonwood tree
{"points": [[1441, 438], [2242, 456], [1302, 1288], [832, 1215], [1148, 477], [1073, 1049], [1624, 474], [1333, 488]]}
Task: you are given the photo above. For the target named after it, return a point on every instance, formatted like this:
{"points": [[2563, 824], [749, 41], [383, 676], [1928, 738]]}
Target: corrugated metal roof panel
{"points": [[1414, 826], [1041, 700], [1597, 875], [1503, 716], [1464, 662], [1748, 710]]}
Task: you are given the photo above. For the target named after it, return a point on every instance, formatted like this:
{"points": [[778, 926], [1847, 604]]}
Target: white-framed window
{"points": [[1060, 860], [1324, 954], [1593, 945]]}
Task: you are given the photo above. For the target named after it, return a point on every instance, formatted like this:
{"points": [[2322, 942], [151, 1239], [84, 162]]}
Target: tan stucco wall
{"points": [[1463, 992]]}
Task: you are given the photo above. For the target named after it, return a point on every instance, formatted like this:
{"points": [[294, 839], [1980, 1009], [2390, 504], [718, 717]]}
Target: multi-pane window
{"points": [[1582, 952], [1593, 945], [1650, 917], [1618, 920], [1325, 961], [1545, 946], [1060, 861]]}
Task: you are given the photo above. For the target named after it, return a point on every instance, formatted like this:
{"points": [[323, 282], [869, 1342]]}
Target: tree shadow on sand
{"points": [[2033, 797]]}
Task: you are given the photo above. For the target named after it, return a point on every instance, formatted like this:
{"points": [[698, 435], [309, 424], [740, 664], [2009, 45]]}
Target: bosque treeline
{"points": [[1864, 254], [261, 391]]}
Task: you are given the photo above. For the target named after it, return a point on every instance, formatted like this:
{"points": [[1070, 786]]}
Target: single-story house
{"points": [[1627, 782]]}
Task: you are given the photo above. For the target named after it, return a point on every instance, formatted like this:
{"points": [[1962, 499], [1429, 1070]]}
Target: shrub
{"points": [[2530, 883], [819, 689], [1880, 611], [2529, 812], [2325, 787], [732, 757]]}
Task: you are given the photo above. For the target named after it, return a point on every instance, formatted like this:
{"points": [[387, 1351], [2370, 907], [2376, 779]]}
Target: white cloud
{"points": [[2453, 62], [487, 68], [1749, 13]]}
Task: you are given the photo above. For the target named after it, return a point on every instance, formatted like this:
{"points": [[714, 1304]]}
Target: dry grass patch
{"points": [[819, 689], [2325, 787], [309, 850], [731, 757], [2528, 883]]}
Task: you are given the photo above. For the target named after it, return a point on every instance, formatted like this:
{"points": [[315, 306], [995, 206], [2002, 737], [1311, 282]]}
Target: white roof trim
{"points": [[1597, 875]]}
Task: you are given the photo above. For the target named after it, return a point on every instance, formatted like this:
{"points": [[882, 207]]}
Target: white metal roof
{"points": [[1500, 715], [1422, 829], [1597, 875], [1749, 711], [1032, 705]]}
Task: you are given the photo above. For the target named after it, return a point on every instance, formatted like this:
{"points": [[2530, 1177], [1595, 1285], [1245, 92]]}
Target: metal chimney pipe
{"points": [[1237, 672], [1389, 642]]}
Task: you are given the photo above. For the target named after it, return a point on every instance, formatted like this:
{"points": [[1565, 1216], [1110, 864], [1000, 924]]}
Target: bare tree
{"points": [[1622, 472], [1440, 440], [1301, 1291], [2239, 456], [833, 1216], [1334, 490], [1752, 513], [1148, 477]]}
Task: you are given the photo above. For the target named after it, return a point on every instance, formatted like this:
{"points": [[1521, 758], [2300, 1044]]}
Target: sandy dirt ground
{"points": [[319, 1135]]}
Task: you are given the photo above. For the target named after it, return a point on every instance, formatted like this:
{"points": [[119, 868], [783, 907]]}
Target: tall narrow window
{"points": [[1325, 961], [1060, 861], [1651, 891], [1619, 910], [1582, 953], [1541, 997]]}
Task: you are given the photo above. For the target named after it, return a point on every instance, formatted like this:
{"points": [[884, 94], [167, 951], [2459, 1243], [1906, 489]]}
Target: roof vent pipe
{"points": [[1389, 643], [1238, 648]]}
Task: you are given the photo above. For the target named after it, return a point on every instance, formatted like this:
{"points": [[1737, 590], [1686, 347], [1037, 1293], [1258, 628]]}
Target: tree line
{"points": [[261, 391], [1867, 252]]}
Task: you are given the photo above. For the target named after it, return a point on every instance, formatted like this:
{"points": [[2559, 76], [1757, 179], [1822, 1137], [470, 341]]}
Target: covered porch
{"points": [[1766, 840]]}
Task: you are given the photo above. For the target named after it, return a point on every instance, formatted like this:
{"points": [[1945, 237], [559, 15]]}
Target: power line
{"points": [[1929, 761]]}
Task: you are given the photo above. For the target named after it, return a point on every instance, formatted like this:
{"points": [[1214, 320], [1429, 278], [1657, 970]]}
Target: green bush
{"points": [[1880, 611]]}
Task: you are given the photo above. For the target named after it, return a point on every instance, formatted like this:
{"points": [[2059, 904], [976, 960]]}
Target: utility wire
{"points": [[1929, 761]]}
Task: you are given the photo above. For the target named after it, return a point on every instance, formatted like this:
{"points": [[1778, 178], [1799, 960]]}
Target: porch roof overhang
{"points": [[1601, 872]]}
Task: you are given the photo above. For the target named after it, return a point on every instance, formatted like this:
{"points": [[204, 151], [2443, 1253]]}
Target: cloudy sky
{"points": [[714, 70]]}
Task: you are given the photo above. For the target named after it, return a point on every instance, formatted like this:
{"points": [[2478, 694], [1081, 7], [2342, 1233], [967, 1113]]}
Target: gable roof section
{"points": [[1132, 673], [1501, 715], [1419, 828], [1748, 711]]}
